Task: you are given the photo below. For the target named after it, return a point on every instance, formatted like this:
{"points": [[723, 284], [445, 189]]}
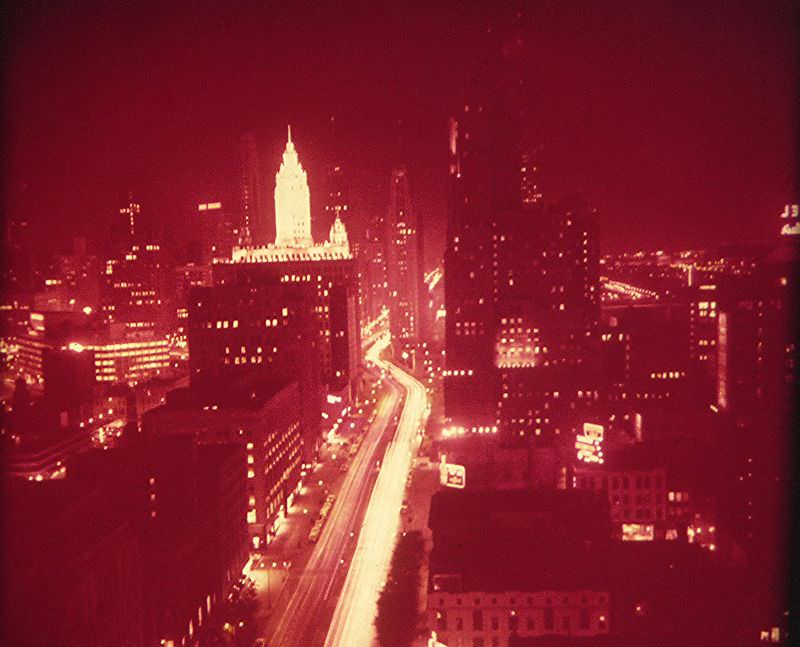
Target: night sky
{"points": [[675, 119]]}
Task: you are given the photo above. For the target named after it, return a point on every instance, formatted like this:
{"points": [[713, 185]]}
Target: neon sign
{"points": [[452, 475], [790, 213], [589, 443]]}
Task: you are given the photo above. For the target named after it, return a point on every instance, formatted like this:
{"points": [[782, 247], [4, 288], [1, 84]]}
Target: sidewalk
{"points": [[282, 563]]}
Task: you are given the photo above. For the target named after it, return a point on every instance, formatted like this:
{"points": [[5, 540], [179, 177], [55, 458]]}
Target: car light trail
{"points": [[307, 610], [352, 624]]}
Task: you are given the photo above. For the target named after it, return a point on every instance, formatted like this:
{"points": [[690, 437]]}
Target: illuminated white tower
{"points": [[292, 201]]}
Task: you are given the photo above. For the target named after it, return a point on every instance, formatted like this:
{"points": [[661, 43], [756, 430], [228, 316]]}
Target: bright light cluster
{"points": [[617, 290], [452, 432], [589, 443]]}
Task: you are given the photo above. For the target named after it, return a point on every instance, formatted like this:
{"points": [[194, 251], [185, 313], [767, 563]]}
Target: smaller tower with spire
{"points": [[338, 235]]}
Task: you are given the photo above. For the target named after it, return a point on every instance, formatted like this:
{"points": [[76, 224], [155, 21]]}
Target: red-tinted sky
{"points": [[675, 119]]}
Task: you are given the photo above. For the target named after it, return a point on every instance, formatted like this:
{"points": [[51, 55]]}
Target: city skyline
{"points": [[737, 62], [443, 325]]}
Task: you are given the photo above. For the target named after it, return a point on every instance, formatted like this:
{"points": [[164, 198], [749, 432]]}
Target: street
{"points": [[352, 624], [301, 613]]}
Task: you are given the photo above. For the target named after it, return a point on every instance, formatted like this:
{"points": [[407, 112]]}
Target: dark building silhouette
{"points": [[267, 332], [264, 418], [218, 230], [403, 261], [376, 279], [185, 505], [333, 288], [521, 291], [756, 376], [73, 569], [137, 292], [255, 222]]}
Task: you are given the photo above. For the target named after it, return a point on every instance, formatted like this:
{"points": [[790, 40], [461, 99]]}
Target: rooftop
{"points": [[561, 535], [249, 394]]}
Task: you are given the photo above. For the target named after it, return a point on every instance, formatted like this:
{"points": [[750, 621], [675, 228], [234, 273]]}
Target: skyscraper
{"points": [[217, 228], [255, 226], [521, 292], [546, 315], [126, 228], [130, 214], [337, 199], [375, 274], [404, 272], [136, 291], [531, 185], [292, 201], [484, 182], [328, 268]]}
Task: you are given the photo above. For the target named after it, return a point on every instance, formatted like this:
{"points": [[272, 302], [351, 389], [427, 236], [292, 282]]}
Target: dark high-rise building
{"points": [[235, 330], [184, 503], [125, 229], [338, 207], [336, 194], [130, 214], [71, 281], [333, 287], [530, 187], [484, 182], [218, 230], [546, 297], [403, 262], [521, 277], [756, 376], [255, 223], [376, 278]]}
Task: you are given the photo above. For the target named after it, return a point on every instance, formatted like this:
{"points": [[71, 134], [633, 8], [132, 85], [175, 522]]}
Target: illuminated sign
{"points": [[722, 361], [209, 206], [638, 532], [452, 475], [790, 213], [589, 443]]}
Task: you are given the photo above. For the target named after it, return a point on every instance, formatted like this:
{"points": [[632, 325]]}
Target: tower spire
{"points": [[292, 201], [289, 129]]}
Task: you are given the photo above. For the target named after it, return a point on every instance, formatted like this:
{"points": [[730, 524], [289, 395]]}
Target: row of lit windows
{"points": [[544, 621], [667, 375], [157, 352], [457, 373]]}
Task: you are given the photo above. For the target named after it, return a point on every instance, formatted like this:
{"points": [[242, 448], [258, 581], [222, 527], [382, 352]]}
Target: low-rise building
{"points": [[265, 420], [517, 564]]}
